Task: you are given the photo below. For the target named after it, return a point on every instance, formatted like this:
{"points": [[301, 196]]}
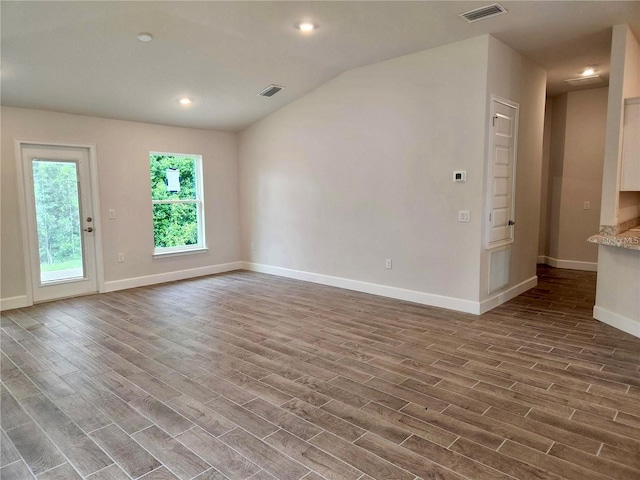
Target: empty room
{"points": [[343, 240]]}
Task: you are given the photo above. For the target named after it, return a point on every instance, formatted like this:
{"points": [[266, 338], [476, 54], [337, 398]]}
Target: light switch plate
{"points": [[464, 216]]}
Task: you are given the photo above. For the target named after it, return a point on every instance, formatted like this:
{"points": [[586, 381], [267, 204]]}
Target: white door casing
{"points": [[89, 280], [501, 172]]}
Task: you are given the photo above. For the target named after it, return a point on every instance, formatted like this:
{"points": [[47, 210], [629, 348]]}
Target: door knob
{"points": [[511, 222], [88, 229]]}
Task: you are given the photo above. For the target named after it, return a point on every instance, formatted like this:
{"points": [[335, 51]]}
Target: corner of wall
{"points": [[334, 192], [623, 82], [512, 76]]}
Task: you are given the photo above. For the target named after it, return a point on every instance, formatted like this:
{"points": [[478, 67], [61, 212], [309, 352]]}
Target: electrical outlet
{"points": [[388, 263], [253, 245], [464, 216], [112, 214], [121, 258], [587, 205]]}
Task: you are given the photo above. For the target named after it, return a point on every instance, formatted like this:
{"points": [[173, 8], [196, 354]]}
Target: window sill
{"points": [[176, 253]]}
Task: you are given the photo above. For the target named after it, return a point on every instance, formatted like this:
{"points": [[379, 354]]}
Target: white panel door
{"points": [[60, 223], [502, 157]]}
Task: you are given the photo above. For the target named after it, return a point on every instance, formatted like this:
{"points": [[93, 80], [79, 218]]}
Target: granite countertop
{"points": [[627, 239]]}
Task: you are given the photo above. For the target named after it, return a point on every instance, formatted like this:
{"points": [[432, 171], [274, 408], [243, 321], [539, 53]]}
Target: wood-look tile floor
{"points": [[249, 376]]}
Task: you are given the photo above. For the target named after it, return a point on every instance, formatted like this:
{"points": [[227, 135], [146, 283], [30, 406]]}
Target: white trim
{"points": [[628, 325], [542, 259], [163, 253], [24, 227], [500, 298], [169, 202], [569, 264], [451, 303], [97, 217], [14, 302], [170, 276]]}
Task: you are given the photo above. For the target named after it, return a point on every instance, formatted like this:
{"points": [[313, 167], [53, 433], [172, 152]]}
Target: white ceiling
{"points": [[83, 57]]}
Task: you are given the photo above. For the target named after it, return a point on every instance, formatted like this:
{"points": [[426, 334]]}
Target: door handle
{"points": [[511, 222], [88, 229]]}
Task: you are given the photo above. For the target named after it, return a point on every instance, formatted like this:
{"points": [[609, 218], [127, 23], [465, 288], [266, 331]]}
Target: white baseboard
{"points": [[170, 276], [14, 302], [632, 327], [569, 264], [451, 303], [500, 298]]}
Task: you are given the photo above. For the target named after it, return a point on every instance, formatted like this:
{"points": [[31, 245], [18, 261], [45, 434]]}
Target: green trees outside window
{"points": [[55, 187], [177, 211]]}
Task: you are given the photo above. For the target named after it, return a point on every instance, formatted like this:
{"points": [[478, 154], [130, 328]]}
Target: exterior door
{"points": [[60, 223], [502, 169]]}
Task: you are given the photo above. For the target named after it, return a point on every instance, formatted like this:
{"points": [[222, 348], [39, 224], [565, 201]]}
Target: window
{"points": [[176, 195]]}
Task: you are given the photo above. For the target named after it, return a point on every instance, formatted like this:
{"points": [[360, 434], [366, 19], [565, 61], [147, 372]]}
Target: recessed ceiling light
{"points": [[588, 71], [305, 26], [145, 37], [185, 101]]}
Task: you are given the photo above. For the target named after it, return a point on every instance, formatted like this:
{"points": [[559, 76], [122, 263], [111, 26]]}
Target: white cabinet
{"points": [[630, 176]]}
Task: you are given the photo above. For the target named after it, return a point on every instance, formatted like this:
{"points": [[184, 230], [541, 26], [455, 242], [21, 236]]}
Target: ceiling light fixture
{"points": [[588, 71], [185, 101], [145, 37], [306, 26], [585, 80]]}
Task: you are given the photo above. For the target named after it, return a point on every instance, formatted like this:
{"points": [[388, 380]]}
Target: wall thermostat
{"points": [[460, 176]]}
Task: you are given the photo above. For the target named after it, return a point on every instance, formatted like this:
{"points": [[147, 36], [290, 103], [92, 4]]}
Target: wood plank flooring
{"points": [[250, 376]]}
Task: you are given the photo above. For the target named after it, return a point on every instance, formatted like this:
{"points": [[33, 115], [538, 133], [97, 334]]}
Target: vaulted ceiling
{"points": [[84, 58]]}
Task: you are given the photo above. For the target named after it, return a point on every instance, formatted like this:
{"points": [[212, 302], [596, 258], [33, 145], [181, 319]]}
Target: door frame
{"points": [[489, 170], [22, 208]]}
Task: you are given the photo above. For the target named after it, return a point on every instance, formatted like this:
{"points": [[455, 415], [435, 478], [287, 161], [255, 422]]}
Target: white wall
{"points": [[514, 77], [624, 82], [123, 171], [543, 234], [576, 137], [629, 202], [557, 139], [360, 170], [617, 300], [582, 174]]}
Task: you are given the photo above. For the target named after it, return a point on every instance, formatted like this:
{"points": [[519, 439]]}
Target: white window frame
{"points": [[201, 246]]}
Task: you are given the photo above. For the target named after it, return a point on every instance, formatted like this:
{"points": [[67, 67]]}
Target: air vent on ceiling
{"points": [[270, 91], [483, 12], [584, 80]]}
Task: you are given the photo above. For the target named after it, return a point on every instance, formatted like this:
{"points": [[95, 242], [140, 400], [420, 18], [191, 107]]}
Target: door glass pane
{"points": [[55, 187]]}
